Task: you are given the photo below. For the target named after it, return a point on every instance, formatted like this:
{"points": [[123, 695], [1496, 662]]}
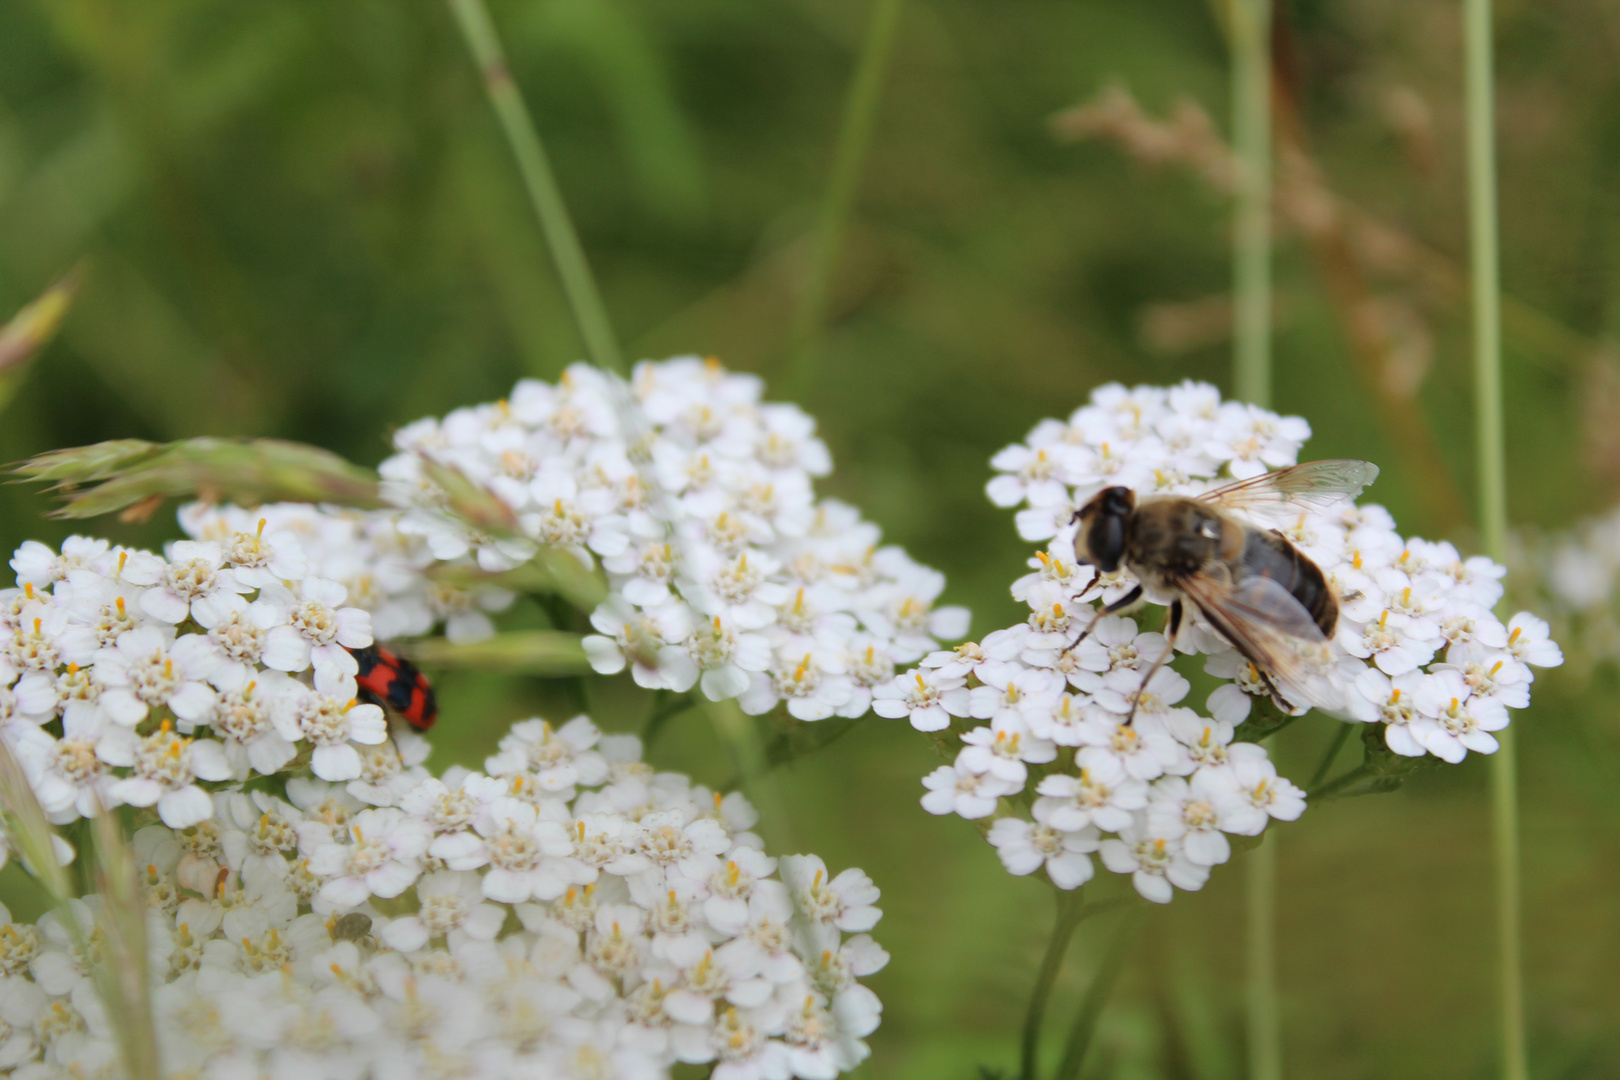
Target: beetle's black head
{"points": [[1100, 541]]}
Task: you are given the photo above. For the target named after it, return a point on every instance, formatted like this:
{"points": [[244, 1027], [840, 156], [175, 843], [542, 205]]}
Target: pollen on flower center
{"points": [[656, 562], [241, 715], [1198, 814], [728, 532], [162, 757], [665, 844], [596, 849], [911, 614], [152, 678], [613, 953], [75, 684], [442, 914], [514, 849], [453, 810], [238, 637], [800, 680], [315, 621], [1153, 855], [736, 581], [190, 579], [563, 524], [818, 902], [19, 944], [323, 719], [76, 760]]}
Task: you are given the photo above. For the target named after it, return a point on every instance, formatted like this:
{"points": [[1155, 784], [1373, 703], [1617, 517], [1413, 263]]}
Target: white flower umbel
{"points": [[1078, 757], [601, 920], [697, 502], [133, 678]]}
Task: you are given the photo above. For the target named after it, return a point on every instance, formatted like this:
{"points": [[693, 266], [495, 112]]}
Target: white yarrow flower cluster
{"points": [[385, 571], [129, 678], [568, 913], [1072, 755], [725, 572]]}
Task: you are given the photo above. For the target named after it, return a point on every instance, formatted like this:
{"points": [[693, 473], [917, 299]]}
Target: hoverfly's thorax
{"points": [[1173, 537]]}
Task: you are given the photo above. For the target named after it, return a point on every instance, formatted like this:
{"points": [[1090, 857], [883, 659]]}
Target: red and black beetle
{"points": [[388, 679]]}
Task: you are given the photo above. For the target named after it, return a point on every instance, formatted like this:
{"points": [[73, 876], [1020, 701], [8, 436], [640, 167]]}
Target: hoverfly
{"points": [[1250, 583]]}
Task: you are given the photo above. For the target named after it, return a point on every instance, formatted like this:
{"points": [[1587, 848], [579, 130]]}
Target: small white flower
{"points": [[927, 698], [1025, 847], [1256, 793], [970, 795], [194, 583], [382, 857], [144, 670], [524, 853], [1155, 863], [317, 628], [166, 768], [1103, 794]]}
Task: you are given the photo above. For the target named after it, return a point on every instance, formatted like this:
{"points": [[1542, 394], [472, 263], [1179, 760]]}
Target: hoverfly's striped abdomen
{"points": [[1269, 554]]}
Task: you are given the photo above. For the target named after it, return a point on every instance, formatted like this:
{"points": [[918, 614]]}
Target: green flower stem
{"points": [[741, 735], [1070, 911], [1098, 993], [1330, 757], [590, 317], [666, 706], [1333, 787], [1485, 283], [854, 136], [1264, 1008]]}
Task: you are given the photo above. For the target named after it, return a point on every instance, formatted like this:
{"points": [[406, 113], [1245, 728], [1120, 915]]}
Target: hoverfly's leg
{"points": [[1118, 605], [1171, 630]]}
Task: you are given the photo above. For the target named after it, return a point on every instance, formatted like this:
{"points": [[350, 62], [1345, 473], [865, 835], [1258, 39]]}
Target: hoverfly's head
{"points": [[1100, 540]]}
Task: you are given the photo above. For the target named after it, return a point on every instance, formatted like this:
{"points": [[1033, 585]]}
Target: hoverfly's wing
{"points": [[1265, 623], [1315, 485]]}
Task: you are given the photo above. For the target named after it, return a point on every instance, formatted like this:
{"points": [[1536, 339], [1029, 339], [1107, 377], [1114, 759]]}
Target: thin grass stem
{"points": [[854, 136], [1251, 251], [590, 316], [1250, 22], [1485, 285], [1098, 993]]}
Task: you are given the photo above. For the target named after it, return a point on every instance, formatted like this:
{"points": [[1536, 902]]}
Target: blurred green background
{"points": [[300, 219]]}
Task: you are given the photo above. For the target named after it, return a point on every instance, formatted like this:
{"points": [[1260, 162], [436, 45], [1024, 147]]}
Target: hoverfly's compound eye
{"points": [[1101, 539]]}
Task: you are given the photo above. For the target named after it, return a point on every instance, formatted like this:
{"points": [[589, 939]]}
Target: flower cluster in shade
{"points": [[725, 572], [1041, 734], [1575, 573], [568, 912]]}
